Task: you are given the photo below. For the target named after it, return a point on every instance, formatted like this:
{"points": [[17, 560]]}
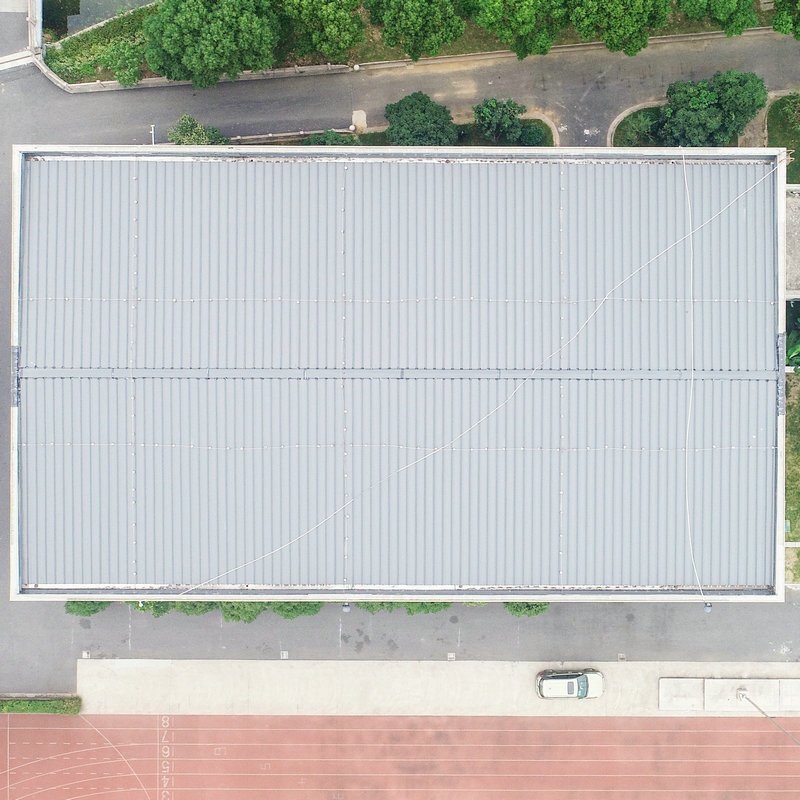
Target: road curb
{"points": [[405, 63]]}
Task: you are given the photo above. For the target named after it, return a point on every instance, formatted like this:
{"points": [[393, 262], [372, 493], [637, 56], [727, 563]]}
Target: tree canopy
{"points": [[417, 120], [330, 27], [201, 40], [621, 24], [709, 113], [499, 119], [787, 17], [527, 26], [733, 15], [420, 27]]}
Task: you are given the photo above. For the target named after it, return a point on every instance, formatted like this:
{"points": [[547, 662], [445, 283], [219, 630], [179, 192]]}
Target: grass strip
{"points": [[782, 133], [56, 705]]}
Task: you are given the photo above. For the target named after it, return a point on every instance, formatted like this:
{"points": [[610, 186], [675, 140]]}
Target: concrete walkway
{"points": [[457, 688]]}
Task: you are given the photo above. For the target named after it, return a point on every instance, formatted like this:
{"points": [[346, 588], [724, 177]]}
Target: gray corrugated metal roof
{"points": [[220, 353]]}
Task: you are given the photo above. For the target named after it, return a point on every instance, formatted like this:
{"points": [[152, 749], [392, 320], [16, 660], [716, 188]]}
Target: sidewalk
{"points": [[440, 688]]}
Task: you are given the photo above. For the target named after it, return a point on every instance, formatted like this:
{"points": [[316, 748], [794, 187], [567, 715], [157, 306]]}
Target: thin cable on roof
{"points": [[690, 406], [778, 164]]}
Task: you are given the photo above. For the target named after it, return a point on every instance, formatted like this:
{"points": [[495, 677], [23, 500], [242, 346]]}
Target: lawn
{"points": [[58, 705], [793, 456], [782, 134]]}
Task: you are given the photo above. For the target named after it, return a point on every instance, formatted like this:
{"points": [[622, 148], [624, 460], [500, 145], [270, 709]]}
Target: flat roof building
{"points": [[396, 373]]}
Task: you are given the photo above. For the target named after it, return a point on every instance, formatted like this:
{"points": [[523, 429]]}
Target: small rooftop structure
{"points": [[393, 373]]}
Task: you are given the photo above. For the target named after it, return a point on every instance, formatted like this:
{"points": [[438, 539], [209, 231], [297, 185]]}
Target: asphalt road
{"points": [[582, 91]]}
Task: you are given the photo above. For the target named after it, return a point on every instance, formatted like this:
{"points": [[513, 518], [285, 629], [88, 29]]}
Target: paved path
{"points": [[458, 688], [582, 90], [164, 757]]}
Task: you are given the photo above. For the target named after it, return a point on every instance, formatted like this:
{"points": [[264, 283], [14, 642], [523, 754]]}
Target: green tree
{"points": [[330, 27], [245, 611], [526, 609], [85, 608], [787, 17], [195, 608], [187, 130], [330, 138], [417, 120], [421, 27], [527, 26], [499, 119], [620, 24], [708, 113], [201, 40], [740, 96], [124, 59], [156, 608], [302, 608], [733, 15]]}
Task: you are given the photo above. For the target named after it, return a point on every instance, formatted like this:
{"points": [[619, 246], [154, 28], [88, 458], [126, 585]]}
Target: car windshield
{"points": [[583, 686]]}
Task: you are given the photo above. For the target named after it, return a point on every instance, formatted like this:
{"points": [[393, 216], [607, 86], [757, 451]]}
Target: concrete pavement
{"points": [[436, 688]]}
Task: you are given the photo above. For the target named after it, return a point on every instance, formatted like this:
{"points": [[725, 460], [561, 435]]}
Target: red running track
{"points": [[430, 758]]}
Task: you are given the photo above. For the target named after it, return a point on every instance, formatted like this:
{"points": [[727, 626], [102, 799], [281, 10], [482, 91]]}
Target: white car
{"points": [[569, 683]]}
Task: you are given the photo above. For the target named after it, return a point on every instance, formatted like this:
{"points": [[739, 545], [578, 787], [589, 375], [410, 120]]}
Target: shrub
{"points": [[85, 608], [417, 120], [374, 608], [526, 609], [156, 608], [425, 608], [411, 608], [187, 130], [301, 608], [195, 607], [124, 60], [81, 56], [639, 129], [245, 611], [531, 136], [330, 138]]}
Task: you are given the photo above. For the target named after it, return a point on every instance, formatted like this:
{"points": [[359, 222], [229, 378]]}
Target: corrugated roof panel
{"points": [[284, 368]]}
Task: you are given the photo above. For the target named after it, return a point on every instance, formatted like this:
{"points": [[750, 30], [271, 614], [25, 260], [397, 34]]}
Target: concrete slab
{"points": [[386, 688], [720, 695], [680, 694], [790, 694]]}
